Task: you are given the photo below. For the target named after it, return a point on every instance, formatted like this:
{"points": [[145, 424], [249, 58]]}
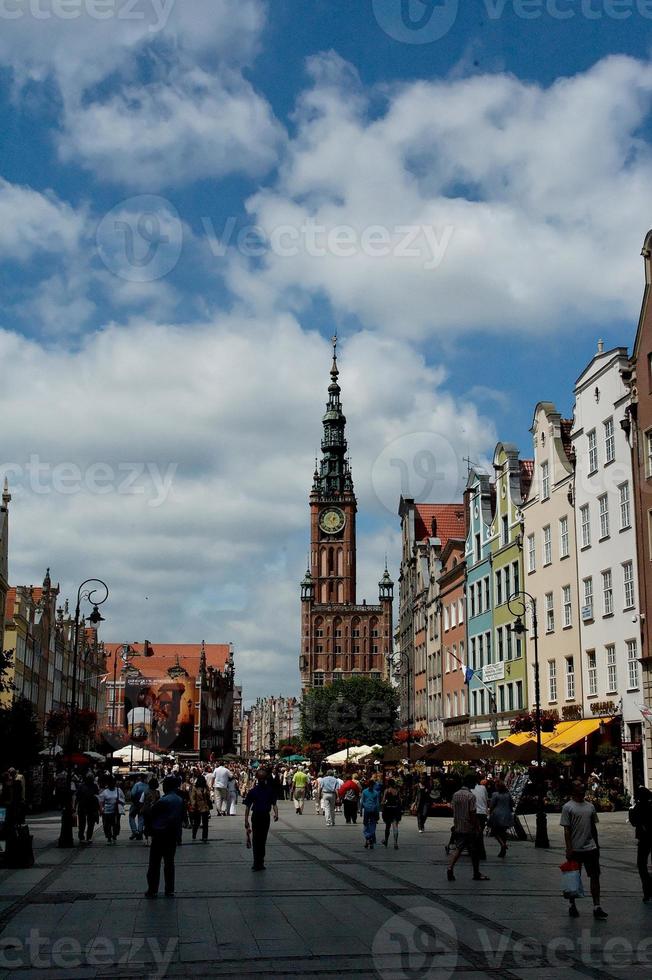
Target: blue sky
{"points": [[164, 306]]}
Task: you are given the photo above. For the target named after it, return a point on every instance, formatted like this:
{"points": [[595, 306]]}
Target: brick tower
{"points": [[339, 638]]}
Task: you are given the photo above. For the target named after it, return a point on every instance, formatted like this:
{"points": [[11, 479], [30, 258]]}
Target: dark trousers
{"points": [[351, 810], [162, 848], [422, 815], [470, 843], [482, 820], [259, 830], [111, 825], [643, 849], [195, 820], [86, 820]]}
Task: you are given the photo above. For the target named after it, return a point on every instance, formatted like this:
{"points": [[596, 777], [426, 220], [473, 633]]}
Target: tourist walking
{"points": [[232, 789], [260, 801], [465, 830], [349, 793], [501, 815], [422, 800], [221, 776], [199, 806], [370, 811], [316, 793], [298, 792], [391, 810], [110, 800], [164, 819], [329, 787], [149, 798], [88, 809], [580, 822], [640, 817], [135, 808]]}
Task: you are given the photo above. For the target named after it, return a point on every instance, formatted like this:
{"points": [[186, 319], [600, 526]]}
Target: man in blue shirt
{"points": [[164, 826], [260, 800]]}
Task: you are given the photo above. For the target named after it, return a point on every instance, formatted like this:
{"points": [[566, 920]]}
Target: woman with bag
{"points": [[501, 815], [199, 807]]}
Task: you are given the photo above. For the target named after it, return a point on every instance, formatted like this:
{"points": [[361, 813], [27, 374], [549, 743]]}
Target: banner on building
{"points": [[160, 712], [646, 712]]}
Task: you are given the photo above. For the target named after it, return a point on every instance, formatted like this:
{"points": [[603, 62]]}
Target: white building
{"points": [[606, 549]]}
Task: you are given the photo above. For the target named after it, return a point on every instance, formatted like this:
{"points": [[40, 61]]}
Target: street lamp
{"points": [[541, 837], [402, 658], [89, 595]]}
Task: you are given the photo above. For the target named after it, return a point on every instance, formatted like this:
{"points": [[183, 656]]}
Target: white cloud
{"points": [[222, 422], [537, 197], [31, 222], [155, 95]]}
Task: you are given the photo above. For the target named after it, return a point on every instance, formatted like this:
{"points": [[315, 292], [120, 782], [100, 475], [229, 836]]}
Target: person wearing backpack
{"points": [[349, 793], [135, 808], [640, 817]]}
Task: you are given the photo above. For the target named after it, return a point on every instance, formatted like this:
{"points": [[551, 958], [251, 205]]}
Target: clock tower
{"points": [[339, 637]]}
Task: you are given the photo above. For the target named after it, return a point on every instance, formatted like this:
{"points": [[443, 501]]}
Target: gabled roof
{"points": [[566, 426], [448, 521], [165, 656]]}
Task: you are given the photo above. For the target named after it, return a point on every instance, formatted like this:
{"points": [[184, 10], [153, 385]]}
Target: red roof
{"points": [[448, 522], [527, 472], [10, 603], [165, 656]]}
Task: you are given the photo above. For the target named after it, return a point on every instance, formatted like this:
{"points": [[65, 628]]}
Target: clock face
{"points": [[332, 520]]}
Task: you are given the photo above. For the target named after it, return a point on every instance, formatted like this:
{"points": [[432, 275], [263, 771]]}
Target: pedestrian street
{"points": [[325, 906]]}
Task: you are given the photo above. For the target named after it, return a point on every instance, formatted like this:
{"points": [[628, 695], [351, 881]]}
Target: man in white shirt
{"points": [[329, 787], [221, 776], [482, 810]]}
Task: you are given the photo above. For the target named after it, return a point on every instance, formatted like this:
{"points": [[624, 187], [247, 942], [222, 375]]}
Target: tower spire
{"points": [[333, 474], [334, 369]]}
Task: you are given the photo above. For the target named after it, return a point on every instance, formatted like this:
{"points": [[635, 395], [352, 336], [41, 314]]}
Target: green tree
{"points": [[20, 737], [6, 662], [359, 708]]}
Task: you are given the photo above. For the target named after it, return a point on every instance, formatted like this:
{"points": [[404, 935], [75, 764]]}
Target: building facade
{"points": [[607, 561], [551, 573], [272, 721], [638, 429], [479, 504], [340, 637], [452, 594]]}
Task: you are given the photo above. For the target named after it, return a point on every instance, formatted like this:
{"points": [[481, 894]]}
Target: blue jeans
{"points": [[136, 820], [370, 821]]}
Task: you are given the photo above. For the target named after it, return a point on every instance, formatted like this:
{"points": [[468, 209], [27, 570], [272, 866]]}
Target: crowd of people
{"points": [[160, 802]]}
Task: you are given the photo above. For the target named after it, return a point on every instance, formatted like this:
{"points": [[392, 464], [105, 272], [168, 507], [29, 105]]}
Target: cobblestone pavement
{"points": [[324, 907]]}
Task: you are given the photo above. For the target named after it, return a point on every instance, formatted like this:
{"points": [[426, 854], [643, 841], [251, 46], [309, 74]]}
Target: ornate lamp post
{"points": [[402, 659], [89, 595], [541, 837]]}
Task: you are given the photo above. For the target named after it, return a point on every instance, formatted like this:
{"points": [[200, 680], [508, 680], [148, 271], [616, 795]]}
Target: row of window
{"points": [[629, 599], [338, 633], [337, 648], [509, 697], [319, 677], [603, 516], [633, 672], [508, 647], [609, 443], [453, 614]]}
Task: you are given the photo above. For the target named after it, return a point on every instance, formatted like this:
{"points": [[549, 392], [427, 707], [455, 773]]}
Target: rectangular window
{"points": [[585, 522], [486, 593], [566, 604], [552, 680], [592, 672], [505, 530], [545, 481], [625, 518], [632, 666], [480, 651], [510, 697], [453, 615], [612, 678], [509, 642], [648, 453], [628, 584], [475, 702], [609, 441], [593, 451], [472, 600], [607, 593], [570, 678], [603, 502], [500, 642], [499, 589], [519, 694], [507, 580], [501, 697], [588, 598], [516, 582], [488, 646], [482, 700], [564, 549], [479, 590], [531, 553], [473, 657], [447, 618], [550, 612], [460, 611], [477, 547], [318, 680], [547, 545]]}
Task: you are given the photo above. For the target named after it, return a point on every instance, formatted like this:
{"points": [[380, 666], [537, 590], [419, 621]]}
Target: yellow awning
{"points": [[560, 741], [520, 738]]}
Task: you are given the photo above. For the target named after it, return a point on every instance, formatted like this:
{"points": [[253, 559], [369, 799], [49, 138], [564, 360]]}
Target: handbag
{"points": [[571, 880]]}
